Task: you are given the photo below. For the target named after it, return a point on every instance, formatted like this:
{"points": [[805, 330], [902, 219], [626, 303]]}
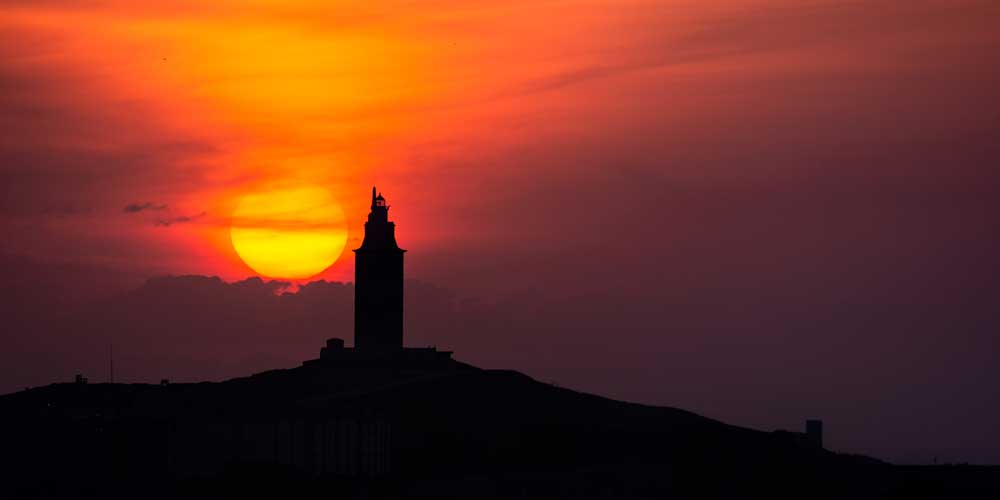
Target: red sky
{"points": [[455, 107], [774, 164]]}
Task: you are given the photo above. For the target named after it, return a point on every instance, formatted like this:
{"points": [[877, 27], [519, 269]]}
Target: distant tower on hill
{"points": [[378, 283], [814, 432]]}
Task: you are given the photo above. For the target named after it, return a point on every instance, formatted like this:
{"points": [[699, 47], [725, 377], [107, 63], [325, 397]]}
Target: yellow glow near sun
{"points": [[291, 233]]}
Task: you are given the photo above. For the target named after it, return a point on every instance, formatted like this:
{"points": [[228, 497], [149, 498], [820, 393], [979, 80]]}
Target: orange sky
{"points": [[281, 93], [429, 100]]}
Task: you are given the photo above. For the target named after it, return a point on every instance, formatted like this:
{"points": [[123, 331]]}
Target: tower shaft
{"points": [[378, 283]]}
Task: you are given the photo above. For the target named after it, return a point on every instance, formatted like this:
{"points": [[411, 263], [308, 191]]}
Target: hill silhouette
{"points": [[387, 429], [878, 384]]}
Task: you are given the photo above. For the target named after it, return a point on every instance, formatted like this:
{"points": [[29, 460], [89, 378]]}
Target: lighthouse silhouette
{"points": [[378, 283]]}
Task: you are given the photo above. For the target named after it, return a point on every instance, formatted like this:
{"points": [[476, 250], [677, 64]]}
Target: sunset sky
{"points": [[800, 195]]}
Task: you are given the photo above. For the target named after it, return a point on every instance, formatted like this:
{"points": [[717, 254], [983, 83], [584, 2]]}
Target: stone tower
{"points": [[378, 283]]}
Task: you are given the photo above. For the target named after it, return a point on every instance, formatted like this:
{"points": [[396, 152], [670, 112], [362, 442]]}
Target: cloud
{"points": [[147, 205], [182, 219], [137, 207]]}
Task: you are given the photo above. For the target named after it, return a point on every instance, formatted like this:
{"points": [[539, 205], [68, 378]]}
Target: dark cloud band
{"points": [[139, 207]]}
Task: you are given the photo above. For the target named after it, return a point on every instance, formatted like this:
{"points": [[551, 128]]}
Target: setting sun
{"points": [[291, 233]]}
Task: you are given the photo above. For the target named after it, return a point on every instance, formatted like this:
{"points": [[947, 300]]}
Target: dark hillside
{"points": [[456, 430]]}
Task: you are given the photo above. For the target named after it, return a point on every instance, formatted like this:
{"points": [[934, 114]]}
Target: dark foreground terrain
{"points": [[392, 430]]}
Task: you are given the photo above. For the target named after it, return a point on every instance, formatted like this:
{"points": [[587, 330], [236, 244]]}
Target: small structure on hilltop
{"points": [[814, 432]]}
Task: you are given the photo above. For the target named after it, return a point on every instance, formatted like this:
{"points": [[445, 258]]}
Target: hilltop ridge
{"points": [[427, 430]]}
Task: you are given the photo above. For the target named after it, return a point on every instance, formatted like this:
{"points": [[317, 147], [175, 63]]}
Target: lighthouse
{"points": [[378, 308], [378, 283]]}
